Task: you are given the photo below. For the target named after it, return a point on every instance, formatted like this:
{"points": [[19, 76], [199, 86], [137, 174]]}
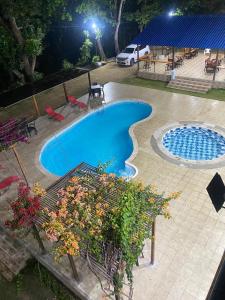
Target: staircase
{"points": [[189, 84], [13, 256]]}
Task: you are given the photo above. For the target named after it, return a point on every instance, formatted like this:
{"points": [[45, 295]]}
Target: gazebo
{"points": [[185, 37]]}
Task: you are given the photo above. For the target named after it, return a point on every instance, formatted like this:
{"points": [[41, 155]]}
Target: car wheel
{"points": [[132, 62]]}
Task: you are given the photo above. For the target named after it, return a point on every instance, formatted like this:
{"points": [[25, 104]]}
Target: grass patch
{"points": [[216, 94], [34, 283]]}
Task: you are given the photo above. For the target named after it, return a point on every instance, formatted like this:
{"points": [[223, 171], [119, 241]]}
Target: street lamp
{"points": [[94, 26], [171, 13]]}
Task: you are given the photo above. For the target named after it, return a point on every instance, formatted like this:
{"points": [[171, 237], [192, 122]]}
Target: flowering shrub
{"points": [[106, 208], [26, 207], [11, 133]]}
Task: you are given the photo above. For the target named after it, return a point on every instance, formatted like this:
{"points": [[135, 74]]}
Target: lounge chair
{"points": [[51, 113], [74, 101], [8, 181]]}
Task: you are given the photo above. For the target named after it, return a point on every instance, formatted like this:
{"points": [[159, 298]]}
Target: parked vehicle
{"points": [[129, 56]]}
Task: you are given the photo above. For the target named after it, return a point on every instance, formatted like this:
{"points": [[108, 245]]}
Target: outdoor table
{"points": [[154, 61]]}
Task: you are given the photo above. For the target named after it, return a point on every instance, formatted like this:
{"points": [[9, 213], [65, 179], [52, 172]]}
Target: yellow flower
{"points": [[174, 195], [38, 190]]}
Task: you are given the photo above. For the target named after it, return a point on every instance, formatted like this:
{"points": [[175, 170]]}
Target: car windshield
{"points": [[128, 50]]}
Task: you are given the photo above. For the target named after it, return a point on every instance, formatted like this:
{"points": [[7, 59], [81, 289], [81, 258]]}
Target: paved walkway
{"points": [[190, 245]]}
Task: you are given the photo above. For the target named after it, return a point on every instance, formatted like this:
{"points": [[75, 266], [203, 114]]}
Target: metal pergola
{"points": [[108, 264]]}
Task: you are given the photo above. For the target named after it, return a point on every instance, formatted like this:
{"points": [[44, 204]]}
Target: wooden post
{"points": [[36, 106], [74, 269], [65, 91], [138, 63], [214, 75], [38, 238], [173, 54], [13, 147], [153, 243], [89, 80]]}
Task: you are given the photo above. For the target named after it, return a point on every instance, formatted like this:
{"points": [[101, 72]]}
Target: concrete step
{"points": [[192, 85], [192, 82], [13, 256], [184, 84], [189, 88], [193, 79], [189, 84]]}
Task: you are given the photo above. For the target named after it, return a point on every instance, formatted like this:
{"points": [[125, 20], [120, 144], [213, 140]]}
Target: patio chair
{"points": [[96, 90], [51, 113], [75, 102], [207, 51], [8, 181]]}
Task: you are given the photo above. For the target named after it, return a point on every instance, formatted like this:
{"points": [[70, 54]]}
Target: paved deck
{"points": [[190, 245], [193, 68]]}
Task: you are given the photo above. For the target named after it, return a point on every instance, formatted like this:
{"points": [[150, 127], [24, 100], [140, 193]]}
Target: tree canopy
{"points": [[23, 27]]}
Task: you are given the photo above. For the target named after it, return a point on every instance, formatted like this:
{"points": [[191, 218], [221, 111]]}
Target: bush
{"points": [[38, 76], [67, 65], [95, 59]]}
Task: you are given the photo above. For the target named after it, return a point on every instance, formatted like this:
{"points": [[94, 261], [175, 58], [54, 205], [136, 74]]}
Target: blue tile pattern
{"points": [[194, 143]]}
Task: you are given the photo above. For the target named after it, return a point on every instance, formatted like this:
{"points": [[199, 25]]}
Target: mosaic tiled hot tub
{"points": [[197, 145]]}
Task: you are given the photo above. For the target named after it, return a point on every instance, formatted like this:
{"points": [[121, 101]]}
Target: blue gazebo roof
{"points": [[200, 31]]}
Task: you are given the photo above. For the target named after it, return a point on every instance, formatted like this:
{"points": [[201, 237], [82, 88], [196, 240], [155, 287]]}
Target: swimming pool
{"points": [[194, 143], [101, 136]]}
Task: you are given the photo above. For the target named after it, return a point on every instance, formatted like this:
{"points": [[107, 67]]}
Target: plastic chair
{"points": [[207, 51], [74, 101], [51, 113]]}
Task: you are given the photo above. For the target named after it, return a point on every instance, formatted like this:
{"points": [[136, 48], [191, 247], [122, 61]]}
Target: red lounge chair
{"points": [[8, 181], [50, 111], [74, 101]]}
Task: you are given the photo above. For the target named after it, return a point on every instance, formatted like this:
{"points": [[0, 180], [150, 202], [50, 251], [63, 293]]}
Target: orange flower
{"points": [[151, 200], [100, 212]]}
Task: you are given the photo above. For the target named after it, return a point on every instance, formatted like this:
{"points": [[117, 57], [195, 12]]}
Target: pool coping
{"points": [[156, 143], [84, 115]]}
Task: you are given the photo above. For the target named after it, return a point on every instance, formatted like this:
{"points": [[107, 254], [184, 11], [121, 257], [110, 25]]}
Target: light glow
{"points": [[171, 13], [94, 26]]}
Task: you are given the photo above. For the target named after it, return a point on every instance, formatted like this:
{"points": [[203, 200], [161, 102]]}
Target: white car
{"points": [[129, 56]]}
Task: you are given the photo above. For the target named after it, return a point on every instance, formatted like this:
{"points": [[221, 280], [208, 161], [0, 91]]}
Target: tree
{"points": [[92, 10], [144, 13], [118, 14], [85, 49], [201, 6], [108, 12], [23, 24]]}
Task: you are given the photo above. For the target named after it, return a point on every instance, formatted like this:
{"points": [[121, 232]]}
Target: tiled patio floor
{"points": [[193, 68], [190, 245]]}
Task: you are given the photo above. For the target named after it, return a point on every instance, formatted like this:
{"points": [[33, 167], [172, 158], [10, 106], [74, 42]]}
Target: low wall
{"points": [[167, 78], [154, 76], [218, 85]]}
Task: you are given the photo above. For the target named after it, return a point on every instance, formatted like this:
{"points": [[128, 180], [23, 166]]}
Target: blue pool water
{"points": [[194, 143], [99, 137]]}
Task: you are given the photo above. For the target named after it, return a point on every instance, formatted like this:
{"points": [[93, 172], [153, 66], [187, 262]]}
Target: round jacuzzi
{"points": [[192, 144]]}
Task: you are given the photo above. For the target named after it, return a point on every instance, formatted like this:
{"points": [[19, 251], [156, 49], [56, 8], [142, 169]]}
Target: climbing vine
{"points": [[108, 210]]}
